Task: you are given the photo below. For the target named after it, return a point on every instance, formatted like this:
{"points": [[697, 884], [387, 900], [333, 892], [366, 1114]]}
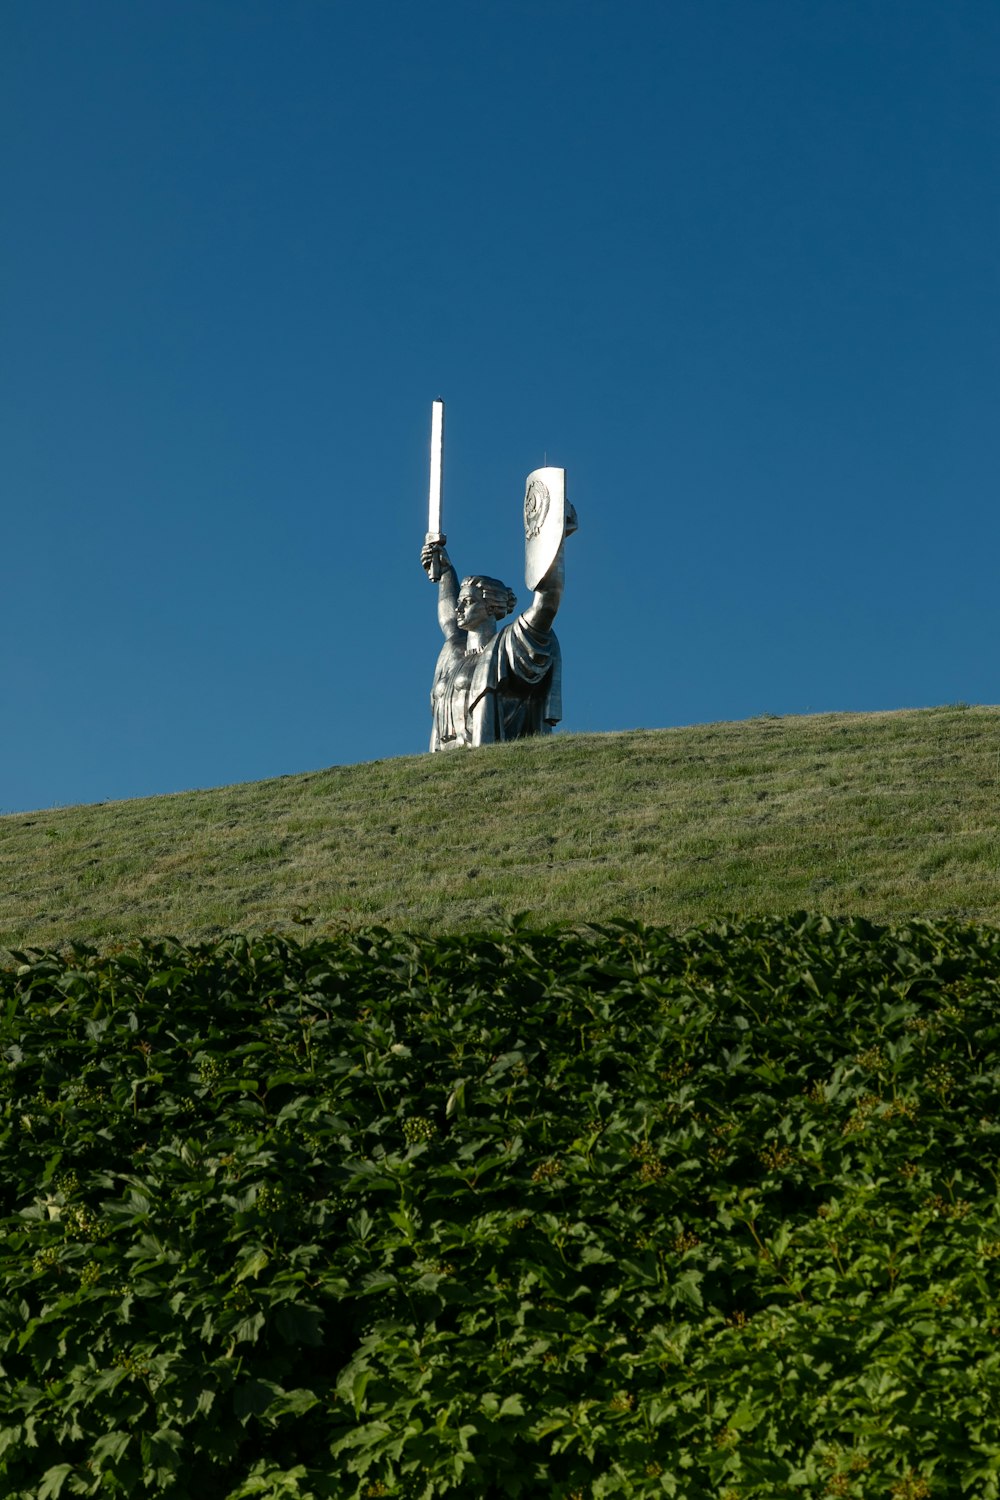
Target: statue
{"points": [[495, 684]]}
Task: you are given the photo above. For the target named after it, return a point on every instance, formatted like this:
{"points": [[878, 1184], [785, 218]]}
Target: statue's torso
{"points": [[508, 689], [450, 697]]}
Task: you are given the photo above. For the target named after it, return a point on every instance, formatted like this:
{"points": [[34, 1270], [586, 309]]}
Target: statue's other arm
{"points": [[447, 587], [548, 596], [543, 608]]}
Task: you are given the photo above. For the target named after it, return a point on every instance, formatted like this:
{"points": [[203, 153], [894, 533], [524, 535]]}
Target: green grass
{"points": [[885, 815]]}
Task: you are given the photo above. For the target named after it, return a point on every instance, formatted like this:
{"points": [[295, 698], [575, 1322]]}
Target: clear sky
{"points": [[735, 264]]}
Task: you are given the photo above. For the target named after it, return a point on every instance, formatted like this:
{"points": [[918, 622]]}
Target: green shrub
{"points": [[544, 1214]]}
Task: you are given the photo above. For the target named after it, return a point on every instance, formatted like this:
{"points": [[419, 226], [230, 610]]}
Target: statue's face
{"points": [[470, 610]]}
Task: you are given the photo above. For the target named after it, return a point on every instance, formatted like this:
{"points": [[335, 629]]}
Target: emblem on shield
{"points": [[544, 522], [536, 507]]}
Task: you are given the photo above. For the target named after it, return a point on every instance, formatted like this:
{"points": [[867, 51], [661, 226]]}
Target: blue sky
{"points": [[735, 265]]}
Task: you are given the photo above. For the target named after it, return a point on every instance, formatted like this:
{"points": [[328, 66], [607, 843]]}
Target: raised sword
{"points": [[434, 533]]}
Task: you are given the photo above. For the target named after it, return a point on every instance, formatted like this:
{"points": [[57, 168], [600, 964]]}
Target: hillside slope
{"points": [[885, 815]]}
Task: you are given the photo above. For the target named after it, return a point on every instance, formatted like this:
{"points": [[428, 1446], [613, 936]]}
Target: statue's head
{"points": [[481, 597]]}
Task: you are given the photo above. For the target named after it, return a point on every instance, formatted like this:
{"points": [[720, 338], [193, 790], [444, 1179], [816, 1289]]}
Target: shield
{"points": [[544, 522]]}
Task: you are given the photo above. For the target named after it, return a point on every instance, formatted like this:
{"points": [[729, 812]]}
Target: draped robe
{"points": [[512, 688]]}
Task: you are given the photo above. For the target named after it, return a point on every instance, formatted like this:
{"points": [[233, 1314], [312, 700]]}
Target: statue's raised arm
{"points": [[439, 568]]}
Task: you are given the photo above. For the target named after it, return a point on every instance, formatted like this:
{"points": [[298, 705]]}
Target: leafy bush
{"points": [[550, 1214]]}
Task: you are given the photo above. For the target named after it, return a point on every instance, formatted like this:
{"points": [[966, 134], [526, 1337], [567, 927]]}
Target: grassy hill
{"points": [[885, 815]]}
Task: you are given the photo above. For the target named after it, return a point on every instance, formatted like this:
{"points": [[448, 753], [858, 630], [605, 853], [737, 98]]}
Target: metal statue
{"points": [[495, 684]]}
